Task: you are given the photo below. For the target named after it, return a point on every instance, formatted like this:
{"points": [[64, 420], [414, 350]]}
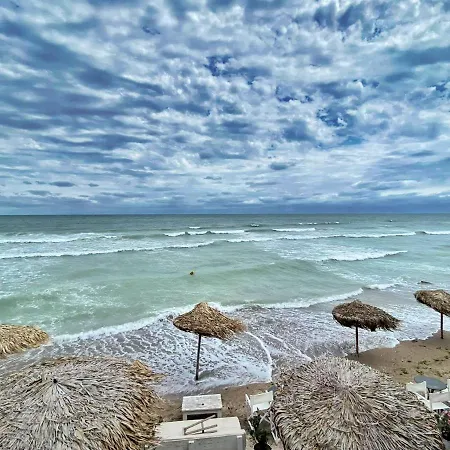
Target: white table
{"points": [[202, 405]]}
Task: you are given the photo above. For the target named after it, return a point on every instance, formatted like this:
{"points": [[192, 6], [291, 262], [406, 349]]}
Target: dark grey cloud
{"points": [[298, 131], [40, 193], [61, 183], [427, 56], [280, 166]]}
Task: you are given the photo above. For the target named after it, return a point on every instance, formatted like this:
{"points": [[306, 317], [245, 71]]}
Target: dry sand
{"points": [[429, 357]]}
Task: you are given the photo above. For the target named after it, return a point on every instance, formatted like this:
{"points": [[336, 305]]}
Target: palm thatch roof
{"points": [[335, 403], [207, 321], [17, 338], [362, 315], [439, 300], [76, 403]]}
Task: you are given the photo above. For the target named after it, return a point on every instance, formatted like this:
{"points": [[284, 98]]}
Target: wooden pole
{"points": [[442, 326], [357, 343], [198, 357]]}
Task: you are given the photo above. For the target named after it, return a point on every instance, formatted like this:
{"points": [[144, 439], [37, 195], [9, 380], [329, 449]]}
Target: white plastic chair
{"points": [[261, 403], [258, 402], [420, 389], [436, 401], [448, 386]]}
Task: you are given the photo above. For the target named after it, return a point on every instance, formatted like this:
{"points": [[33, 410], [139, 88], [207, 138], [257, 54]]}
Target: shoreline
{"points": [[429, 357]]}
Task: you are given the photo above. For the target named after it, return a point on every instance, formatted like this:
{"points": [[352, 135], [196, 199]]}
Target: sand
{"points": [[429, 357]]}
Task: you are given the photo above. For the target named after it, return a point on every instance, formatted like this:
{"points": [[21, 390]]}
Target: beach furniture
{"points": [[447, 389], [437, 401], [361, 315], [433, 384], [337, 403], [206, 434], [260, 404], [439, 300], [206, 321], [420, 389], [201, 406]]}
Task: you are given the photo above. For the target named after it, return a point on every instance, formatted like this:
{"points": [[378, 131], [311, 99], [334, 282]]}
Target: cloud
{"points": [[279, 166], [224, 105], [40, 193], [61, 183]]}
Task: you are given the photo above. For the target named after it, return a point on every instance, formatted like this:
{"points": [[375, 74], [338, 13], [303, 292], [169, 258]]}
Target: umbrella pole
{"points": [[442, 326], [198, 357], [357, 343]]}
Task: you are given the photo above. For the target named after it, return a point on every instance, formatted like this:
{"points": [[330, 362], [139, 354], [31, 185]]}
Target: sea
{"points": [[111, 285]]}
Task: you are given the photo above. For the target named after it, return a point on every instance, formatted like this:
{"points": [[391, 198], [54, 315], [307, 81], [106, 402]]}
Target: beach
{"points": [[111, 286], [430, 357]]}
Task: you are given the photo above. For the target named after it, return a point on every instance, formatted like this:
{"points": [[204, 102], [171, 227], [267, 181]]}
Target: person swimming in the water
{"points": [[191, 273]]}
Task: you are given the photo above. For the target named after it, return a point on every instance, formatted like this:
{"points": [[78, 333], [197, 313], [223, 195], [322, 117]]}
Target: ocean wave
{"points": [[292, 230], [104, 251], [380, 287], [249, 239], [226, 231], [165, 314], [319, 223], [254, 225], [194, 228], [364, 256], [311, 302], [374, 236], [53, 239], [198, 233], [445, 232]]}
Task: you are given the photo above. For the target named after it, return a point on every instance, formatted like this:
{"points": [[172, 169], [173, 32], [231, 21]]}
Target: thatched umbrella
{"points": [[336, 403], [360, 315], [79, 404], [206, 321], [439, 300], [17, 338]]}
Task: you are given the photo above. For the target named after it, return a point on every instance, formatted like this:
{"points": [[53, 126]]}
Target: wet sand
{"points": [[429, 357]]}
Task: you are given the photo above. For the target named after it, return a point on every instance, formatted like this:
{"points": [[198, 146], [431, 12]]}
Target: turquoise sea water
{"points": [[110, 284]]}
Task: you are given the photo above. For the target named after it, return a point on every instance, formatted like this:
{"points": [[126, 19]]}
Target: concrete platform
{"points": [[228, 435]]}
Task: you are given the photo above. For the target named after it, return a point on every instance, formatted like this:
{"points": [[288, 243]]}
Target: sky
{"points": [[224, 106]]}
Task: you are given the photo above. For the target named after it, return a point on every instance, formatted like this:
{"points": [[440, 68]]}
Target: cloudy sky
{"points": [[224, 106]]}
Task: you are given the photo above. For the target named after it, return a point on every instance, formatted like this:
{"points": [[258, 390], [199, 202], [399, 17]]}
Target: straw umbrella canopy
{"points": [[76, 403], [206, 321], [17, 338], [335, 403], [439, 300], [361, 315]]}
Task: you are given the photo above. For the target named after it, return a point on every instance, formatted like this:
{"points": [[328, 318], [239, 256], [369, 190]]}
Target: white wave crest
{"points": [[226, 231], [445, 232], [380, 287], [362, 236], [364, 256], [54, 239], [293, 230], [102, 251], [175, 234], [309, 302]]}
